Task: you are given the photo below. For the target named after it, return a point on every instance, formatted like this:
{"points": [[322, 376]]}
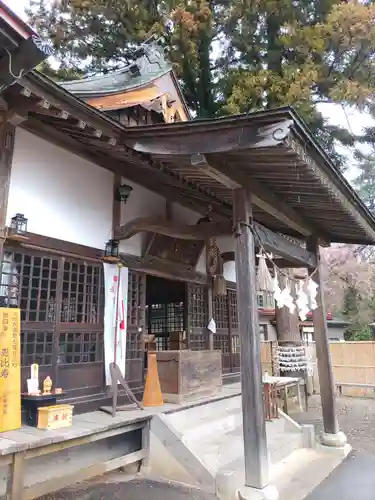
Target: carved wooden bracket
{"points": [[272, 242], [160, 225]]}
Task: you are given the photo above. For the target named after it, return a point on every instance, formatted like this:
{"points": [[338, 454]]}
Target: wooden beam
{"points": [[282, 263], [166, 227], [254, 426], [24, 105], [163, 269], [272, 242], [264, 198], [78, 111], [280, 246]]}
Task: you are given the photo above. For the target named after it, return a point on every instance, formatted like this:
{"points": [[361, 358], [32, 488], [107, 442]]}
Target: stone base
{"points": [[267, 493], [337, 440]]}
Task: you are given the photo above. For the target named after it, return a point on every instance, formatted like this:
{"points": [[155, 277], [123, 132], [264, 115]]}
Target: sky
{"points": [[335, 113]]}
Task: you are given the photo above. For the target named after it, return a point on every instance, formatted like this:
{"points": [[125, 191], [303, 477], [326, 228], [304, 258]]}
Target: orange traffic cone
{"points": [[152, 395]]}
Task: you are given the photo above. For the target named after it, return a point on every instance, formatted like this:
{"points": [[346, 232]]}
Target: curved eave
{"points": [[296, 170], [15, 22], [83, 91]]}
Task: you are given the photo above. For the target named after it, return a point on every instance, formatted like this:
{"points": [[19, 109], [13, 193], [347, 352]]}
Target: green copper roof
{"points": [[151, 65]]}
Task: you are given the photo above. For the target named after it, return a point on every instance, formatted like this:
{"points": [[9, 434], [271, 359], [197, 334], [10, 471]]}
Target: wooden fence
{"points": [[353, 363]]}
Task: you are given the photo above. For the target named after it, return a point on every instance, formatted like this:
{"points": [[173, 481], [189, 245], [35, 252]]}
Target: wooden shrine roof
{"points": [[297, 191], [21, 49]]}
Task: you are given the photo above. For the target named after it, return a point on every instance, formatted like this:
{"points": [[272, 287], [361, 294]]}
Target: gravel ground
{"points": [[136, 489], [356, 419]]}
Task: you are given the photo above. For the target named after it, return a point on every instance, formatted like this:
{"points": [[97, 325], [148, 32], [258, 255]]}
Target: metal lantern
{"points": [[111, 252], [123, 192], [18, 225]]}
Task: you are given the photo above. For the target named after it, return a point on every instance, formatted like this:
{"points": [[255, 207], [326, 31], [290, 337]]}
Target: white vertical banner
{"points": [[115, 317]]}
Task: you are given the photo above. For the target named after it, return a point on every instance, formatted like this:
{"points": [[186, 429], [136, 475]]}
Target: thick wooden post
{"points": [[254, 430], [7, 136], [323, 353]]}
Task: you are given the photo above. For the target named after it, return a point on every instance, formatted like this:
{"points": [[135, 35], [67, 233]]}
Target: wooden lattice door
{"points": [[197, 316], [135, 330], [29, 280], [233, 331], [79, 335]]}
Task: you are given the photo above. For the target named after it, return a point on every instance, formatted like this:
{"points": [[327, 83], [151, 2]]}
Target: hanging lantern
{"points": [[111, 252], [123, 193], [18, 228], [219, 285]]}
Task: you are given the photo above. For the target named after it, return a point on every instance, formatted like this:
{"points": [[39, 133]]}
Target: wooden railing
{"points": [[270, 402]]}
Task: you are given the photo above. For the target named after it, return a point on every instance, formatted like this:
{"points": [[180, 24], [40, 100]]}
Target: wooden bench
{"points": [[37, 462], [340, 385]]}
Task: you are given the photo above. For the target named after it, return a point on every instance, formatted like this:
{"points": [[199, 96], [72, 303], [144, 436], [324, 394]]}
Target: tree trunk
{"points": [[287, 326]]}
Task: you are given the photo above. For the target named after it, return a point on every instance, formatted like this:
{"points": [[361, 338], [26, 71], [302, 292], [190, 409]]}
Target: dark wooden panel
{"points": [[83, 376]]}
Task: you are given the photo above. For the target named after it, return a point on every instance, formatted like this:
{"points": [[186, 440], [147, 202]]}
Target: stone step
{"points": [[206, 429], [301, 471], [202, 414]]}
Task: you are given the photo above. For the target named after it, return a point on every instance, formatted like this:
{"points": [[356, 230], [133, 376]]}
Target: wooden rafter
{"points": [[265, 199]]}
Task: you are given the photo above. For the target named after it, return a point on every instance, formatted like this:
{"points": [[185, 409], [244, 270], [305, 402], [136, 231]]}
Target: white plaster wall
{"points": [[166, 84], [184, 215], [62, 195], [141, 203]]}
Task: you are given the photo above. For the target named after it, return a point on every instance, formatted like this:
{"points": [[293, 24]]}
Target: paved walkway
{"points": [[354, 479]]}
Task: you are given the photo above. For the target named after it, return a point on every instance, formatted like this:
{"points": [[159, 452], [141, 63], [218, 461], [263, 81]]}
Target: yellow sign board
{"points": [[10, 369]]}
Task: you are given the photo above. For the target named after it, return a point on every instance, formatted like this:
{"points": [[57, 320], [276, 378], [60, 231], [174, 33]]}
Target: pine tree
{"points": [[365, 181], [233, 56]]}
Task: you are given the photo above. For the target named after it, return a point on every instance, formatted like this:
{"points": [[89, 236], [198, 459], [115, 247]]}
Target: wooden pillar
{"points": [[7, 136], [323, 353], [254, 430], [116, 205]]}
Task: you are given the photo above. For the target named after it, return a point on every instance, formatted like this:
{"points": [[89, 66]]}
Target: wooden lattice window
{"points": [[175, 316], [80, 348], [221, 342], [136, 299], [198, 306], [156, 319], [82, 293], [29, 282], [36, 347], [221, 311], [232, 298], [235, 344]]}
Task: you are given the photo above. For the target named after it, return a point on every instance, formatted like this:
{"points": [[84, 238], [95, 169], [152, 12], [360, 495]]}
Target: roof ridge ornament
{"points": [[43, 45], [150, 52]]}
